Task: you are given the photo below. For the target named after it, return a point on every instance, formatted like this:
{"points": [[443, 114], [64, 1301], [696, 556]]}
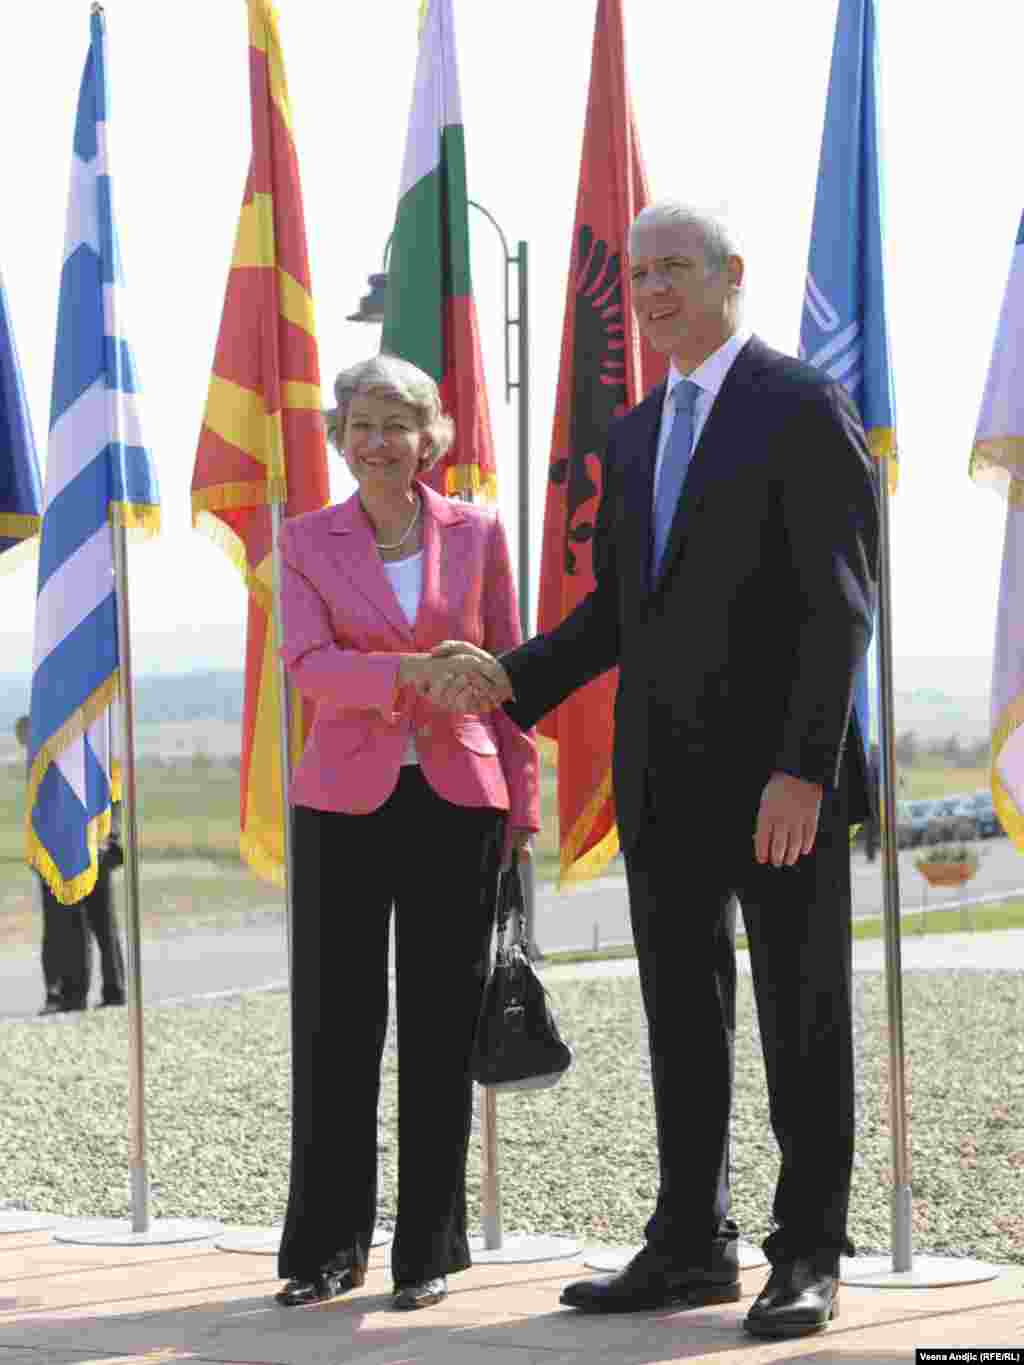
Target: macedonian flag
{"points": [[262, 440], [603, 372]]}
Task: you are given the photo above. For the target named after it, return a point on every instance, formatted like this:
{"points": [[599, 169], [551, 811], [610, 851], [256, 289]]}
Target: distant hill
{"points": [[210, 705], [932, 714], [160, 698]]}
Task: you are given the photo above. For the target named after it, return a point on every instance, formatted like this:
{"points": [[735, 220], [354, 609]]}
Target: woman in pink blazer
{"points": [[395, 802]]}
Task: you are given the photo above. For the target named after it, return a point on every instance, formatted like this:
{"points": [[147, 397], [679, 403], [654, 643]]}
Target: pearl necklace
{"points": [[408, 530]]}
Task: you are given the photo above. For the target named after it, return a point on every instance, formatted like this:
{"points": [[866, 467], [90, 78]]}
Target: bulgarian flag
{"points": [[604, 370], [262, 439], [430, 316]]}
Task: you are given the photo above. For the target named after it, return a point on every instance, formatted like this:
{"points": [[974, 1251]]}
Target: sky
{"points": [[729, 107]]}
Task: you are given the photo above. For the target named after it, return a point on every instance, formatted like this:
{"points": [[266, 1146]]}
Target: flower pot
{"points": [[946, 874]]}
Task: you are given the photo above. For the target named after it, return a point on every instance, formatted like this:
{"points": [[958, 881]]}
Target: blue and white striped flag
{"points": [[843, 328], [20, 491], [98, 474]]}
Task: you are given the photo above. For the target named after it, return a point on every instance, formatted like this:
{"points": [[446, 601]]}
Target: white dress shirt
{"points": [[406, 577], [709, 376]]}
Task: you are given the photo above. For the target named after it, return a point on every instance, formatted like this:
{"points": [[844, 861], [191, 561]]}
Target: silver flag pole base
{"points": [[518, 1248], [615, 1258], [20, 1220], [926, 1272], [267, 1241], [118, 1232]]}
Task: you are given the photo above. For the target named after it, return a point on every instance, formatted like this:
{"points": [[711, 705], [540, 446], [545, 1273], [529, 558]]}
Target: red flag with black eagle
{"points": [[603, 372]]}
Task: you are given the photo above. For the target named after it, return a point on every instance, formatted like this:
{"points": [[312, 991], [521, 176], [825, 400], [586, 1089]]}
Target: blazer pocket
{"points": [[474, 735], [341, 738]]}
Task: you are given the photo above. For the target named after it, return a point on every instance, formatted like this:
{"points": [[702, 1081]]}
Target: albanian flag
{"points": [[430, 314], [262, 440], [602, 373]]}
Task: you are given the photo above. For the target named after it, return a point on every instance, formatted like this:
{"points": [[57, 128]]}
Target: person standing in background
{"points": [[57, 930], [66, 952]]}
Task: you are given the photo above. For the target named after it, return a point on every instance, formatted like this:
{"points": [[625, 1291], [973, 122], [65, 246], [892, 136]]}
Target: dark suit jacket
{"points": [[740, 659]]}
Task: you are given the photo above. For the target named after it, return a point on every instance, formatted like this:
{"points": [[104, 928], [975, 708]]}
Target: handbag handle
{"points": [[510, 902]]}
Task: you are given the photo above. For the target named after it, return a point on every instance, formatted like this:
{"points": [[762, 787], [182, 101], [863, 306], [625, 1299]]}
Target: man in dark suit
{"points": [[735, 559]]}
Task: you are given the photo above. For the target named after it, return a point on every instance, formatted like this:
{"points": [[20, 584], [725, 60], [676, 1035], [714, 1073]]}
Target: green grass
{"points": [[924, 782], [979, 919], [190, 809], [185, 811]]}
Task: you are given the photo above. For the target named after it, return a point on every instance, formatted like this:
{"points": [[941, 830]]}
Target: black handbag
{"points": [[518, 1046]]}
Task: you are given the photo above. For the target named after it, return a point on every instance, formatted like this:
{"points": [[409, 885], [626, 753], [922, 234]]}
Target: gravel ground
{"points": [[577, 1159]]}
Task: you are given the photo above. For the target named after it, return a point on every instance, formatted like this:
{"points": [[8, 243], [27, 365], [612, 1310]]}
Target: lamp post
{"points": [[371, 309]]}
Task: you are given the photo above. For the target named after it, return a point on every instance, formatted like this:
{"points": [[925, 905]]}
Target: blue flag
{"points": [[843, 328], [997, 459], [20, 492], [98, 475]]}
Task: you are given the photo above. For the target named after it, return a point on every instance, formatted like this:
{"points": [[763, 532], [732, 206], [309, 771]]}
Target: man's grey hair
{"points": [[388, 376], [717, 238]]}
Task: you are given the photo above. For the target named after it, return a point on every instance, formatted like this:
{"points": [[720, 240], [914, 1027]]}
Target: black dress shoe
{"points": [[113, 996], [652, 1281], [337, 1277], [799, 1298], [421, 1295]]}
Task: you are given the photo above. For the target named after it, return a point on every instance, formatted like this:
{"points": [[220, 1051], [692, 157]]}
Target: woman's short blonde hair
{"points": [[387, 376]]}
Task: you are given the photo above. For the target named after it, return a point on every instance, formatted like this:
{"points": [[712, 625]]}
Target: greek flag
{"points": [[20, 493], [843, 329], [98, 475]]}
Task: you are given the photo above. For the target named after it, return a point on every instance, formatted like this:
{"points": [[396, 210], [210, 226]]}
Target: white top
{"points": [[406, 577], [710, 376]]}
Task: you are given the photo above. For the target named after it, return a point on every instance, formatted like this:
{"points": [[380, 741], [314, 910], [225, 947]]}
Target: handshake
{"points": [[460, 677]]}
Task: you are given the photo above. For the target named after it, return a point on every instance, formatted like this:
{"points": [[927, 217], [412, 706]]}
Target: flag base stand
{"points": [[518, 1248], [267, 1241], [494, 1246], [118, 1232], [615, 1258], [926, 1272], [20, 1220]]}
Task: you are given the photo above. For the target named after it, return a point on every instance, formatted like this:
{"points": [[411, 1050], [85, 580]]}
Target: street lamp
{"points": [[371, 305], [371, 309]]}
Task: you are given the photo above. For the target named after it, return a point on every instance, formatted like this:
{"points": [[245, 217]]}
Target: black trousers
{"points": [[54, 949], [93, 917], [438, 865], [684, 874]]}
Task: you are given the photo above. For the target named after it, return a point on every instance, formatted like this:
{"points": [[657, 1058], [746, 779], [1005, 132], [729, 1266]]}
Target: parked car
{"points": [[949, 822], [913, 822], [978, 808]]}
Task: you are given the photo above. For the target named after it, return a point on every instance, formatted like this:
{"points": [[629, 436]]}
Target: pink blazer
{"points": [[343, 631]]}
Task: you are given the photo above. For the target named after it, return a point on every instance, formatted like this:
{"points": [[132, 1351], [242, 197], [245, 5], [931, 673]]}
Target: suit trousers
{"points": [[437, 864], [685, 872], [54, 948], [94, 917]]}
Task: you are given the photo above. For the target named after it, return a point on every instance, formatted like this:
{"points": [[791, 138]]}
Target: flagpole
{"points": [[137, 1169], [901, 1204], [284, 717]]}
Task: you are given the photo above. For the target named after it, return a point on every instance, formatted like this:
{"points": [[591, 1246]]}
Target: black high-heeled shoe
{"points": [[337, 1277], [421, 1295]]}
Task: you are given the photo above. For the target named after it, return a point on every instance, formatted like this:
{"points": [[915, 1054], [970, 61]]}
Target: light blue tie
{"points": [[674, 465]]}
